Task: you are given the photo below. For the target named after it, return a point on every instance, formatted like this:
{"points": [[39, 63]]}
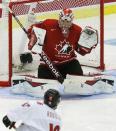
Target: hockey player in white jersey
{"points": [[37, 116]]}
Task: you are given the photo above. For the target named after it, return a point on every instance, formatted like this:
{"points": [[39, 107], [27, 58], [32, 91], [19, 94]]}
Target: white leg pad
{"points": [[83, 85], [33, 86], [27, 89], [78, 88]]}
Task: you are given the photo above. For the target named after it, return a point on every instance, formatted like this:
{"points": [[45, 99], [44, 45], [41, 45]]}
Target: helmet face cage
{"points": [[65, 18], [52, 98]]}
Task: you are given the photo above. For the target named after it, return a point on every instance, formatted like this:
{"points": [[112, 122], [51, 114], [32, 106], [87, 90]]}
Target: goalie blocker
{"points": [[78, 85]]}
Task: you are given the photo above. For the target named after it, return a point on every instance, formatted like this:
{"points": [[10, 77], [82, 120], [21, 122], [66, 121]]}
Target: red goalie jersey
{"points": [[59, 48]]}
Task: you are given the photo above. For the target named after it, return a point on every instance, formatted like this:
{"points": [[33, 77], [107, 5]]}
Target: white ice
{"points": [[97, 113]]}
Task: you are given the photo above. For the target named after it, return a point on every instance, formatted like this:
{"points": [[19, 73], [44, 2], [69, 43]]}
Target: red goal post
{"points": [[86, 12]]}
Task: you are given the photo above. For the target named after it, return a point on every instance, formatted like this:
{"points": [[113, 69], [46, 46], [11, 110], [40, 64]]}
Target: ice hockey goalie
{"points": [[60, 39]]}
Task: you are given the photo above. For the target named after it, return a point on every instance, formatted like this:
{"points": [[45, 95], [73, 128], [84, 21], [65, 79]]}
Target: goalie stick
{"points": [[44, 57]]}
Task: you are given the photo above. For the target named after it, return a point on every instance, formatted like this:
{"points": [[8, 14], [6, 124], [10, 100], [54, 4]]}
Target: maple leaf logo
{"points": [[64, 48]]}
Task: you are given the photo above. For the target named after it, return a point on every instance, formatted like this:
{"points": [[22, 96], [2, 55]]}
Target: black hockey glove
{"points": [[26, 58], [8, 123]]}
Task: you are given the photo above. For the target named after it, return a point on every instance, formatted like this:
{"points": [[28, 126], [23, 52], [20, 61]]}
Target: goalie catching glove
{"points": [[88, 40]]}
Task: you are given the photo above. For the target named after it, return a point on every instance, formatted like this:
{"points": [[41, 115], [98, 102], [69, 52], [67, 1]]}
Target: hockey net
{"points": [[13, 40]]}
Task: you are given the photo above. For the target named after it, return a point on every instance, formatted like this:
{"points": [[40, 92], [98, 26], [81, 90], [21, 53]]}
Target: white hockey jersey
{"points": [[35, 117]]}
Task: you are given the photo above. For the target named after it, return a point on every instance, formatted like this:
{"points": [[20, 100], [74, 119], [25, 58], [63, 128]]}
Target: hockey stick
{"points": [[43, 56]]}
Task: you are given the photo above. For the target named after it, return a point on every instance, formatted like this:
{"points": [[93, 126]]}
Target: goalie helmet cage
{"points": [[49, 9]]}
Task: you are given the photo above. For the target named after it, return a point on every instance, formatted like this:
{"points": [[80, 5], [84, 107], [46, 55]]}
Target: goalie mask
{"points": [[52, 98], [65, 20]]}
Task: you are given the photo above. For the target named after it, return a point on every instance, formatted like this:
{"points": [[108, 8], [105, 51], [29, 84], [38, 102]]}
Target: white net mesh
{"points": [[4, 44]]}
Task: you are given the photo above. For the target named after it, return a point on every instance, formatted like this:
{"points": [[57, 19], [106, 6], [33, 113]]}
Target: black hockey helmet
{"points": [[52, 98]]}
